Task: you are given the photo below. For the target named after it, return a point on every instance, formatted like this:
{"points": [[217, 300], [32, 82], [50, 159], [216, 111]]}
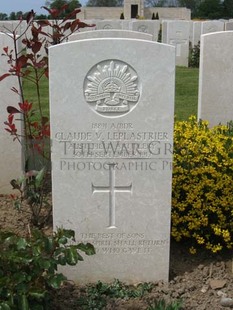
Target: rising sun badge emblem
{"points": [[111, 88]]}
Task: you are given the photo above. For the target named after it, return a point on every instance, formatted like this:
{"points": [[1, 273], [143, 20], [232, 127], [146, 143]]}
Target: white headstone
{"points": [[125, 24], [190, 31], [108, 24], [215, 78], [18, 26], [211, 26], [196, 33], [228, 26], [8, 26], [177, 34], [114, 33], [164, 31], [146, 26], [112, 127], [11, 158]]}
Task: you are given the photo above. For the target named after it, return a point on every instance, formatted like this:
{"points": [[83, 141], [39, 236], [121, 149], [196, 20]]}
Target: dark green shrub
{"points": [[162, 305], [28, 267], [96, 295], [194, 56], [155, 16], [160, 34], [122, 16]]}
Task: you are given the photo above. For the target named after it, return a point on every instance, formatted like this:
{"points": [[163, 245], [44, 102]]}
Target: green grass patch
{"points": [[30, 93], [186, 93]]}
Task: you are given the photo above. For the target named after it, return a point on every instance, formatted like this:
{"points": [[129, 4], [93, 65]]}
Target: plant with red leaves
{"points": [[31, 64]]}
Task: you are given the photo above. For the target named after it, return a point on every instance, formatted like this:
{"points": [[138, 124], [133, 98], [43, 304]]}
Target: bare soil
{"points": [[202, 281]]}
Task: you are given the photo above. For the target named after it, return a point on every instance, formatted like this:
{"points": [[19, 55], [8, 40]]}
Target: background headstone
{"points": [[112, 127], [114, 33], [176, 33], [11, 157], [196, 33], [228, 26], [215, 78], [146, 26], [211, 26], [108, 24]]}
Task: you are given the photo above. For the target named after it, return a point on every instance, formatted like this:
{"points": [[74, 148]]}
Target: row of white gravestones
{"points": [[216, 77], [180, 33], [11, 157], [145, 26], [200, 28], [112, 133], [177, 33], [110, 34]]}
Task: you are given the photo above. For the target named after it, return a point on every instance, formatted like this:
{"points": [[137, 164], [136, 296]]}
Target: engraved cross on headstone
{"points": [[112, 189], [178, 41]]}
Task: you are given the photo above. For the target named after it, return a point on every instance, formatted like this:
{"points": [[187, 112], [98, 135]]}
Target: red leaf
{"points": [[57, 35], [64, 7], [22, 61], [5, 49], [46, 73], [2, 77], [75, 25], [43, 23], [15, 90], [67, 25], [12, 110], [36, 47], [25, 106], [30, 16], [73, 13], [53, 12], [83, 25]]}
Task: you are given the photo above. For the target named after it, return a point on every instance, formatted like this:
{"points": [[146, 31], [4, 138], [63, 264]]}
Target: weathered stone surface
{"points": [[11, 159], [215, 78], [112, 126], [177, 34], [211, 26], [146, 26]]}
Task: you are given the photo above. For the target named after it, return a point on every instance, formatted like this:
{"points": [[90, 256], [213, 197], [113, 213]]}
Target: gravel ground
{"points": [[202, 281]]}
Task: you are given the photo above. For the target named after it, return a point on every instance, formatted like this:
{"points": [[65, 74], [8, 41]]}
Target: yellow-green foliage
{"points": [[202, 203]]}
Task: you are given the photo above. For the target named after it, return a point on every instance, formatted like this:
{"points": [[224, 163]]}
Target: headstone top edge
{"points": [[93, 40], [80, 42], [228, 32]]}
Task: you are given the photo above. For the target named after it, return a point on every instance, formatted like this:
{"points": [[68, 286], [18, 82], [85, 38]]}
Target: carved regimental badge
{"points": [[111, 88]]}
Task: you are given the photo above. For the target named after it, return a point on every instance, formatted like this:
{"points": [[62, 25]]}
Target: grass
{"points": [[31, 94], [186, 96]]}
